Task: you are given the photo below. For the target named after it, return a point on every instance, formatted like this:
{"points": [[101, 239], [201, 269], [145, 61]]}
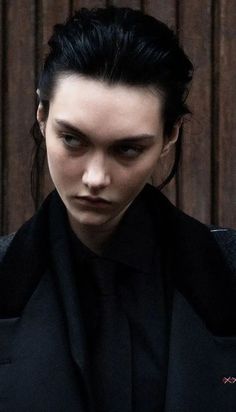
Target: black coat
{"points": [[43, 357]]}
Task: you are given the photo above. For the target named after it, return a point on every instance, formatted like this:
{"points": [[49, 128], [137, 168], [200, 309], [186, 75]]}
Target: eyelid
{"points": [[74, 136], [80, 142], [81, 139], [138, 147], [137, 151]]}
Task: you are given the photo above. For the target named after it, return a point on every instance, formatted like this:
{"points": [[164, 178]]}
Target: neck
{"points": [[95, 238], [95, 241]]}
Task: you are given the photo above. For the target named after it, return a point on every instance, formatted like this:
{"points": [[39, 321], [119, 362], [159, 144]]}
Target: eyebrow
{"points": [[75, 129]]}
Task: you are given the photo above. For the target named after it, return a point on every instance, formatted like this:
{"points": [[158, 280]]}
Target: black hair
{"points": [[116, 45]]}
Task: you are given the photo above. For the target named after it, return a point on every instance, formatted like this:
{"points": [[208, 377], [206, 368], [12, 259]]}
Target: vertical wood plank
{"points": [[225, 158], [76, 4], [133, 4], [49, 13], [166, 12], [18, 113], [195, 177], [1, 113]]}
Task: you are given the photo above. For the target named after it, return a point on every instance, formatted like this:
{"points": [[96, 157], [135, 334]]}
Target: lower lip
{"points": [[93, 204]]}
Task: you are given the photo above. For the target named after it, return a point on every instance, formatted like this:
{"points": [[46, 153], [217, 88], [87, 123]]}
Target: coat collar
{"points": [[135, 241], [195, 262], [24, 263], [197, 267]]}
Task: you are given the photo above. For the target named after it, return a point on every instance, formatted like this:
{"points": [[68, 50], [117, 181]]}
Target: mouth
{"points": [[93, 201]]}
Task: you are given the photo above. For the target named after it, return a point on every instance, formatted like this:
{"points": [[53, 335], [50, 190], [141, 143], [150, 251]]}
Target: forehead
{"points": [[96, 106]]}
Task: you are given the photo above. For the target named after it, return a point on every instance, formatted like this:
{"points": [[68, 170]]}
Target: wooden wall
{"points": [[206, 185]]}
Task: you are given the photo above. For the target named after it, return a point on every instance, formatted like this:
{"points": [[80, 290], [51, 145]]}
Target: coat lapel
{"points": [[24, 263], [62, 267], [199, 363], [40, 244], [195, 265]]}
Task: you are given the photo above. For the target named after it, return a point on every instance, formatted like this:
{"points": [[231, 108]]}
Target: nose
{"points": [[95, 176]]}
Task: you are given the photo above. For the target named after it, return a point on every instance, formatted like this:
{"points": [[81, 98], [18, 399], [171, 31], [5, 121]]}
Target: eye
{"points": [[71, 141], [129, 151]]}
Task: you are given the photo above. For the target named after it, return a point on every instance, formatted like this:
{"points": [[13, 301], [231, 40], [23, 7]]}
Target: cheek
{"points": [[55, 161], [139, 172], [61, 168]]}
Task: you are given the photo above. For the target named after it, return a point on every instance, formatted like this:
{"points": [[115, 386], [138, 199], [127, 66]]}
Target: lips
{"points": [[94, 202], [93, 199]]}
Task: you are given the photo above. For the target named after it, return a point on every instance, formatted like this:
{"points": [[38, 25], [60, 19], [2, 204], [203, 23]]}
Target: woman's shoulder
{"points": [[226, 238], [5, 243], [32, 228], [223, 233]]}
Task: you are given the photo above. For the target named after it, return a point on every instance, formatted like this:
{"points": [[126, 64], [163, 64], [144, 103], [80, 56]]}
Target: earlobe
{"points": [[40, 118], [172, 139], [42, 128]]}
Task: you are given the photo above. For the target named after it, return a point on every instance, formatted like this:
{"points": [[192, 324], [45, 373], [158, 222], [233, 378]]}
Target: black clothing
{"points": [[48, 360], [124, 305]]}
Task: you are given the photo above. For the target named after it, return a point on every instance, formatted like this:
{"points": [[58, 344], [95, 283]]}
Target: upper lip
{"points": [[93, 199]]}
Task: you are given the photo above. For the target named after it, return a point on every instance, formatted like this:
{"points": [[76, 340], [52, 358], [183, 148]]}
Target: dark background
{"points": [[206, 185]]}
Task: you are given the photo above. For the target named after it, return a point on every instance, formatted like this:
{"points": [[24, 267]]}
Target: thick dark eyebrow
{"points": [[74, 129], [70, 127]]}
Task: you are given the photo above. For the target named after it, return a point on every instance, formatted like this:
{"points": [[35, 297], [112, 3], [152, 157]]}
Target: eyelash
{"points": [[118, 149], [137, 149], [66, 136]]}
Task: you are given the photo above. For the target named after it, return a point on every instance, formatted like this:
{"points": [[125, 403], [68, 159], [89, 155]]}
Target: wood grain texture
{"points": [[76, 4], [18, 106], [162, 10], [166, 12], [133, 4], [1, 112], [225, 54], [49, 13], [195, 173]]}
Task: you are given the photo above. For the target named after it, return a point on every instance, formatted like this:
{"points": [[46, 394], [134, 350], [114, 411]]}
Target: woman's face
{"points": [[104, 142]]}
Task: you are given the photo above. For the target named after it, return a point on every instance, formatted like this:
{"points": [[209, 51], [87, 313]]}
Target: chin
{"points": [[90, 218]]}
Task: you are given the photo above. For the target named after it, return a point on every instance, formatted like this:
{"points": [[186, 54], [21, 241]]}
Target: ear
{"points": [[41, 116], [172, 139]]}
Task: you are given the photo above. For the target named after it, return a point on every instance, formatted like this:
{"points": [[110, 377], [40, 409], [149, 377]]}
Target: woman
{"points": [[111, 298]]}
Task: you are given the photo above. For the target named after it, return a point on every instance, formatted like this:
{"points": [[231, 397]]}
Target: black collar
{"points": [[134, 242], [137, 238]]}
